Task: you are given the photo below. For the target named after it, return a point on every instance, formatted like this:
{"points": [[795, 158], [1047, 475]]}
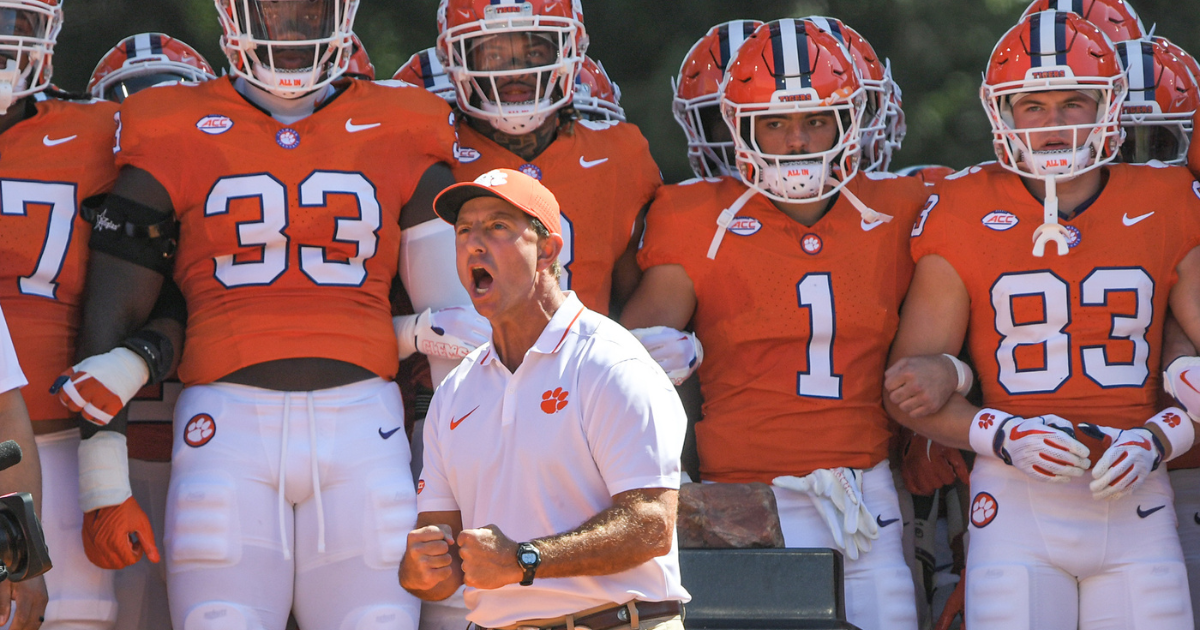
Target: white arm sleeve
{"points": [[429, 273], [11, 376]]}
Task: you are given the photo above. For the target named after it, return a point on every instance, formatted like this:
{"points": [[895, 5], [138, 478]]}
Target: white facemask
{"points": [[11, 80], [794, 180]]}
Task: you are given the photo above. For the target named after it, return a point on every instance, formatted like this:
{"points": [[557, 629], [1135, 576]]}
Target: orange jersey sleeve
{"points": [[49, 163], [1079, 336], [796, 323], [602, 175], [289, 234]]}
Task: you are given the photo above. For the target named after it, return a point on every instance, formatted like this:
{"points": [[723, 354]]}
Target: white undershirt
{"points": [[285, 110]]}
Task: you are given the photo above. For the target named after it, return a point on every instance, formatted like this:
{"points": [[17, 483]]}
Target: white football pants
{"points": [[1046, 555], [1186, 484], [283, 501]]}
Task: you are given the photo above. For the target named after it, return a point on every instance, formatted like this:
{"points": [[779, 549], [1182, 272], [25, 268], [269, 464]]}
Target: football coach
{"points": [[551, 468]]}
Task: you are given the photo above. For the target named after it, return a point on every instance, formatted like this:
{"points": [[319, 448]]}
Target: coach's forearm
{"points": [[638, 527], [14, 425]]}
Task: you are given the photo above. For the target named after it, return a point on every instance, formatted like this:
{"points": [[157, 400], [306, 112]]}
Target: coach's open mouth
{"points": [[481, 280]]}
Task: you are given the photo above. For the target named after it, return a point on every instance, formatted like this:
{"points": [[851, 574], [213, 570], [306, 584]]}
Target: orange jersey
{"points": [[49, 163], [289, 234], [1078, 336], [796, 322], [602, 175]]}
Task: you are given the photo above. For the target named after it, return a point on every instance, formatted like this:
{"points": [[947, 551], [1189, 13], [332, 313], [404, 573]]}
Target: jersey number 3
{"points": [[268, 234], [1048, 331]]}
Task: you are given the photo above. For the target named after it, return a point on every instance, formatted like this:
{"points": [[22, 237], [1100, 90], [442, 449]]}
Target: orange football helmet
{"points": [[141, 61], [1054, 51], [424, 69], [491, 51], [877, 81], [1182, 55], [697, 102], [27, 38], [288, 48], [1163, 96], [794, 67], [1114, 18], [360, 62], [597, 97]]}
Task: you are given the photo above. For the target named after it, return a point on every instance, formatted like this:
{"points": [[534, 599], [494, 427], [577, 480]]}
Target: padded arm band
{"points": [[131, 231], [155, 349]]}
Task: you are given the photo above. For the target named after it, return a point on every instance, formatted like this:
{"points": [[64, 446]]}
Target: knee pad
{"points": [[392, 513], [1158, 596], [998, 597], [202, 522], [221, 616], [80, 614], [379, 618]]}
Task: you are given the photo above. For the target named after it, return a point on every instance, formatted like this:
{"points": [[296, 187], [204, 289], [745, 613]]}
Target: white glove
{"points": [[100, 386], [1182, 380], [838, 496], [1131, 455], [451, 333], [1044, 447], [678, 353]]}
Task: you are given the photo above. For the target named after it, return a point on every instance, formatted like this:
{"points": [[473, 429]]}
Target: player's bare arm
{"points": [[637, 528], [419, 208], [626, 272], [665, 297], [431, 568], [933, 322]]}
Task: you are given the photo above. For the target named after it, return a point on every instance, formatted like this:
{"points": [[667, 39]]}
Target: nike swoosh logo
{"points": [[387, 434], [53, 143], [454, 423], [1017, 434], [1144, 444], [586, 164], [1135, 220], [1144, 514], [867, 227], [1183, 377], [882, 523], [353, 128]]}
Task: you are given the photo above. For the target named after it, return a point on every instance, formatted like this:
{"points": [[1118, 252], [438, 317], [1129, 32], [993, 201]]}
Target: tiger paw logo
{"points": [[554, 400], [420, 486], [1172, 419], [983, 509], [986, 420], [199, 430]]}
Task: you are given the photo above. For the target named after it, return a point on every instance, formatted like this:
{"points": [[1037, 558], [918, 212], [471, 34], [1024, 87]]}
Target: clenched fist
{"points": [[489, 558], [427, 561]]}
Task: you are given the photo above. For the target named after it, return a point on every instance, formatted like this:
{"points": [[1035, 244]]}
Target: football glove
{"points": [[678, 353], [838, 496], [117, 536], [1044, 447], [1182, 380], [100, 386], [449, 333], [1131, 455]]}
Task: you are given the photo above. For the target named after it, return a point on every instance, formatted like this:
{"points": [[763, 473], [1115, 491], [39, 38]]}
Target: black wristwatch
{"points": [[528, 558]]}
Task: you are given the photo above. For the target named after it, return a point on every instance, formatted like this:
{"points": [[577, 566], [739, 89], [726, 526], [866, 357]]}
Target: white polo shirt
{"points": [[586, 416], [11, 376]]}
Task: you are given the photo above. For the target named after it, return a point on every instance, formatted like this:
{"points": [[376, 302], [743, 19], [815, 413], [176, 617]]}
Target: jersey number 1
{"points": [[815, 293]]}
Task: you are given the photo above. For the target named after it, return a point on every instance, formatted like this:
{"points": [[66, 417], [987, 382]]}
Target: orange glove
{"points": [[115, 537], [928, 466], [954, 607]]}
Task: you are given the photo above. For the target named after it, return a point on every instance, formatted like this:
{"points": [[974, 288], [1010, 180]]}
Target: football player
{"points": [[793, 277], [1163, 96], [1056, 269], [134, 64], [55, 153], [290, 187], [424, 69], [597, 97], [145, 60], [697, 101]]}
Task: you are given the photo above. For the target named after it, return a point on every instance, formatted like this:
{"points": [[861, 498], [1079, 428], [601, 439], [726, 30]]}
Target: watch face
{"points": [[528, 557]]}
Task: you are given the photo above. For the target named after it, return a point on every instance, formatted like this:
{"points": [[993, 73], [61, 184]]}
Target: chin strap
{"points": [[868, 215], [1050, 231], [725, 218]]}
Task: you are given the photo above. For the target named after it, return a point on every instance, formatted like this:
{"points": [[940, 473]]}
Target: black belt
{"points": [[619, 615]]}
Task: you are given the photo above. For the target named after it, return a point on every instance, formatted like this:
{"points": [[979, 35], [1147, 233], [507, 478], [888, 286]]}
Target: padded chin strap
{"points": [[1050, 231]]}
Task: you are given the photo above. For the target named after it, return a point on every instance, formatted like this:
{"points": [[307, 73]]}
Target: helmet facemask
{"points": [[514, 72], [28, 30], [711, 151], [289, 48]]}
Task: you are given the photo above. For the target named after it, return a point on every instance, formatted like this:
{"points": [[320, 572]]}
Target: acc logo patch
{"points": [[811, 244], [214, 125], [466, 155], [1000, 220], [745, 226], [199, 430], [983, 509], [288, 138]]}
